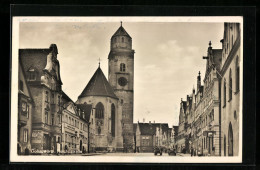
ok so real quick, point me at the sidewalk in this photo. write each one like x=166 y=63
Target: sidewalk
x=184 y=154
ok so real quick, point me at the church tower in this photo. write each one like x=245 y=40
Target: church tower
x=121 y=78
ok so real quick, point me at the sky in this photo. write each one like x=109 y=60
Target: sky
x=168 y=57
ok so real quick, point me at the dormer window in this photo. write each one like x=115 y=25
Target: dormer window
x=32 y=74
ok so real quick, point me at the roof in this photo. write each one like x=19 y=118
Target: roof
x=86 y=108
x=150 y=128
x=98 y=86
x=66 y=97
x=217 y=56
x=121 y=32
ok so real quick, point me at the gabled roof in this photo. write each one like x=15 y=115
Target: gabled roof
x=150 y=128
x=217 y=57
x=121 y=32
x=87 y=110
x=98 y=86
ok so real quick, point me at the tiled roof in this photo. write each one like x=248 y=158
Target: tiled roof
x=150 y=128
x=98 y=86
x=87 y=110
x=121 y=32
x=66 y=97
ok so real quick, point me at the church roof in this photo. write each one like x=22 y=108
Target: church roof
x=121 y=32
x=98 y=86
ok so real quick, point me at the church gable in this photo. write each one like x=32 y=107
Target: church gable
x=98 y=86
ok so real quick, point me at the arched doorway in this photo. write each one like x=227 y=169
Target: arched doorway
x=230 y=140
x=113 y=121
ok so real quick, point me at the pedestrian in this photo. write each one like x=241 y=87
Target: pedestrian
x=191 y=151
x=26 y=151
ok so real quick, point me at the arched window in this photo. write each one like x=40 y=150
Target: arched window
x=99 y=111
x=123 y=39
x=113 y=120
x=115 y=39
x=225 y=88
x=237 y=74
x=230 y=140
x=235 y=115
x=122 y=67
x=230 y=85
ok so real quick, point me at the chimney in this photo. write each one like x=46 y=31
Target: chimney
x=150 y=123
x=154 y=121
x=143 y=120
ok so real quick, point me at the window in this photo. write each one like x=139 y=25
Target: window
x=46 y=96
x=225 y=88
x=46 y=117
x=113 y=121
x=66 y=137
x=21 y=85
x=25 y=135
x=27 y=111
x=230 y=85
x=59 y=103
x=59 y=118
x=235 y=115
x=237 y=74
x=232 y=40
x=99 y=111
x=115 y=39
x=69 y=120
x=32 y=74
x=123 y=39
x=122 y=67
x=99 y=130
x=75 y=123
x=52 y=119
x=92 y=121
x=52 y=98
x=72 y=121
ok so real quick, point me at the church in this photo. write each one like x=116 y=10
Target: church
x=111 y=119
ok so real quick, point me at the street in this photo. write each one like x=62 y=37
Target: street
x=132 y=154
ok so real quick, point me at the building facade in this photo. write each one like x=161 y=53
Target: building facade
x=230 y=89
x=75 y=119
x=210 y=117
x=42 y=72
x=121 y=79
x=25 y=109
x=105 y=118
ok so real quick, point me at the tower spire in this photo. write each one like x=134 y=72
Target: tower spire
x=99 y=62
x=121 y=23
